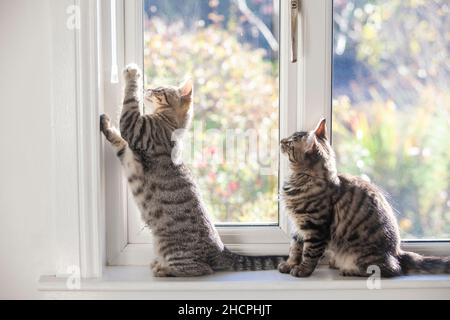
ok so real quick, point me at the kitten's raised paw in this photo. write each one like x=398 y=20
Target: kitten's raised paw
x=285 y=267
x=132 y=72
x=300 y=272
x=105 y=122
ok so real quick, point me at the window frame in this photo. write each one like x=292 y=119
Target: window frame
x=305 y=97
x=134 y=245
x=86 y=206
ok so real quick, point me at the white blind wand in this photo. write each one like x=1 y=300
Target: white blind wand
x=114 y=66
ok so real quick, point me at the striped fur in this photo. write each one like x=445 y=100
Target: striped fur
x=345 y=215
x=186 y=241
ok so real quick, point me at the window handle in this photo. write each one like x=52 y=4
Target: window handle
x=294 y=29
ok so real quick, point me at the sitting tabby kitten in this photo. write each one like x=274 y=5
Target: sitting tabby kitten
x=346 y=215
x=186 y=241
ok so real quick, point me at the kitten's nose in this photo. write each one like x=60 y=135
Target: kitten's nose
x=284 y=142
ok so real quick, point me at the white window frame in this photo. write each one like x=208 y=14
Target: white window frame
x=302 y=104
x=136 y=245
x=305 y=98
x=88 y=205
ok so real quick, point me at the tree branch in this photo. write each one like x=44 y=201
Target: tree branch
x=258 y=23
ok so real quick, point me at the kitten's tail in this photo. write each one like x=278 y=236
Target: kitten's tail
x=415 y=263
x=239 y=262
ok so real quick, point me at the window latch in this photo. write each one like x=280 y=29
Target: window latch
x=294 y=29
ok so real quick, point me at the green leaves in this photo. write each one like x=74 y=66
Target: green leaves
x=406 y=153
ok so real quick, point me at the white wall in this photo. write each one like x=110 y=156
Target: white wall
x=26 y=229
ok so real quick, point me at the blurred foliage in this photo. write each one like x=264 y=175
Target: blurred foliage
x=392 y=115
x=232 y=81
x=224 y=13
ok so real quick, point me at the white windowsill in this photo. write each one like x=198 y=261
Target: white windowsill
x=137 y=283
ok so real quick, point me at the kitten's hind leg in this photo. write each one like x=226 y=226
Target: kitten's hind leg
x=385 y=267
x=332 y=262
x=183 y=269
x=158 y=269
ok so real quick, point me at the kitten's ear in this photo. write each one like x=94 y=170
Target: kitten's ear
x=321 y=129
x=187 y=89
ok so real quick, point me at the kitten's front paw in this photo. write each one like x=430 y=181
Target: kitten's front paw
x=300 y=272
x=105 y=122
x=285 y=267
x=132 y=72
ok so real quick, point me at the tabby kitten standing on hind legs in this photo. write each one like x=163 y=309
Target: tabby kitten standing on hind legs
x=346 y=215
x=186 y=241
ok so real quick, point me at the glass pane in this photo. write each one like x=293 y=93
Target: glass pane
x=391 y=105
x=230 y=49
